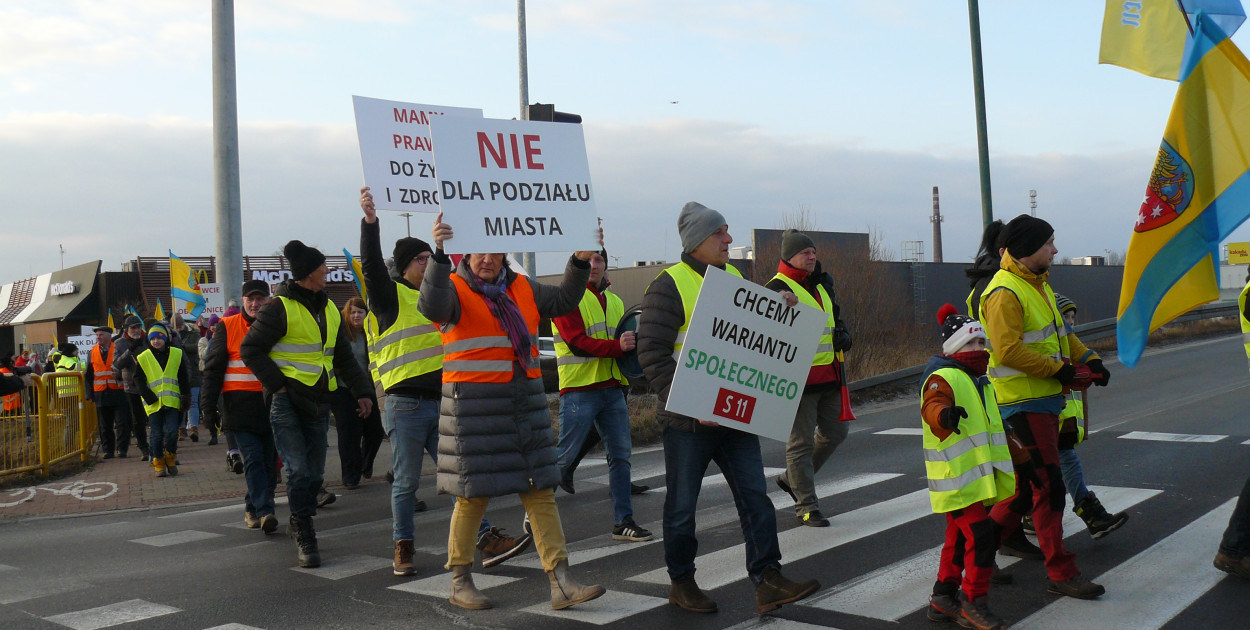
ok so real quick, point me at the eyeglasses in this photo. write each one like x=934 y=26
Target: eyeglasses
x=423 y=259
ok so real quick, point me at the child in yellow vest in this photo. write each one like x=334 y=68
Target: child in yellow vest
x=969 y=469
x=164 y=382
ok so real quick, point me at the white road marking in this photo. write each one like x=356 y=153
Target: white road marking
x=440 y=585
x=339 y=567
x=176 y=538
x=901 y=431
x=1170 y=437
x=612 y=606
x=112 y=615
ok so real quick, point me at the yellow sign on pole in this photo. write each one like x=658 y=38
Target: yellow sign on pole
x=1238 y=253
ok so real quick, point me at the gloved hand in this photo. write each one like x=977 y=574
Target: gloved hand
x=949 y=418
x=1083 y=377
x=1066 y=374
x=1100 y=374
x=841 y=338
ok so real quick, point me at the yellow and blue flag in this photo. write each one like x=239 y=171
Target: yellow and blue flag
x=110 y=323
x=358 y=273
x=183 y=286
x=130 y=310
x=1150 y=36
x=1198 y=193
x=159 y=315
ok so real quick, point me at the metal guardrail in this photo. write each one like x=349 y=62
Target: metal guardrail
x=1091 y=331
x=52 y=424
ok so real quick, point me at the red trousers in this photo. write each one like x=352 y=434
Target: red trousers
x=971 y=542
x=1041 y=491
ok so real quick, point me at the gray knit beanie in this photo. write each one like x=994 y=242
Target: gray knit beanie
x=697 y=222
x=793 y=242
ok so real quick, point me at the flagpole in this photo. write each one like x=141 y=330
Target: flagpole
x=978 y=85
x=1181 y=5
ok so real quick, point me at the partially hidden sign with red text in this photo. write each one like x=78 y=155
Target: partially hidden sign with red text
x=514 y=185
x=397 y=153
x=745 y=357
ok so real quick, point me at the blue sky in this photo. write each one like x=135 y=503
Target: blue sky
x=853 y=110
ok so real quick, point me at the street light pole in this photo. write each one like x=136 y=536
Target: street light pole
x=226 y=154
x=406 y=216
x=978 y=86
x=527 y=258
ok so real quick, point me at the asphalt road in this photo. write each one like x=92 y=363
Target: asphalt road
x=199 y=568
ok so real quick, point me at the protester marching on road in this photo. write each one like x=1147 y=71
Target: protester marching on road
x=817 y=430
x=407 y=350
x=164 y=382
x=242 y=413
x=104 y=389
x=299 y=351
x=359 y=438
x=206 y=323
x=495 y=434
x=690 y=443
x=592 y=392
x=968 y=465
x=1031 y=368
x=1233 y=555
x=130 y=343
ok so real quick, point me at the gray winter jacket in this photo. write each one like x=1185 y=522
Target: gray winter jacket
x=124 y=359
x=495 y=439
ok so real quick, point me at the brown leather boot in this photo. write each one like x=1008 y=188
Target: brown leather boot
x=565 y=591
x=775 y=589
x=688 y=596
x=463 y=593
x=403 y=558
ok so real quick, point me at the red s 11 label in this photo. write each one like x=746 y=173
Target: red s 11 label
x=735 y=406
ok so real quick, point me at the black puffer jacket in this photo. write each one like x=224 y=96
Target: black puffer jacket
x=270 y=327
x=662 y=316
x=124 y=359
x=495 y=438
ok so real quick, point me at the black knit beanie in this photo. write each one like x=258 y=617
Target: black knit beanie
x=304 y=259
x=408 y=248
x=1024 y=235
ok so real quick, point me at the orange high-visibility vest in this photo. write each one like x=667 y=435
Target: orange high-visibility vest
x=102 y=369
x=238 y=377
x=12 y=402
x=477 y=348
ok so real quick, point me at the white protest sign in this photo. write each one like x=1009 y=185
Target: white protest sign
x=214 y=299
x=745 y=357
x=396 y=151
x=514 y=186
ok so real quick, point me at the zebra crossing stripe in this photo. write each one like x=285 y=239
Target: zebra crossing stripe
x=1152 y=587
x=16 y=587
x=233 y=626
x=112 y=615
x=776 y=623
x=895 y=591
x=176 y=538
x=725 y=566
x=440 y=585
x=901 y=431
x=339 y=567
x=610 y=607
x=1170 y=437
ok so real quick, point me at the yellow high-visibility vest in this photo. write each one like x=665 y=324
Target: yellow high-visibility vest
x=578 y=371
x=824 y=352
x=410 y=347
x=300 y=353
x=688 y=283
x=1042 y=325
x=974 y=464
x=163 y=383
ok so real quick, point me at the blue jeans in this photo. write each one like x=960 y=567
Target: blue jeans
x=260 y=470
x=301 y=441
x=412 y=425
x=163 y=431
x=686 y=456
x=1073 y=476
x=605 y=410
x=1236 y=541
x=193 y=412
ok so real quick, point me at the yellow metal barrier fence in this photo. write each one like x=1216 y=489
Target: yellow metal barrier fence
x=53 y=422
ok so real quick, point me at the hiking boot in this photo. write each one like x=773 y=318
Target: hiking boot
x=814 y=519
x=565 y=591
x=975 y=613
x=785 y=485
x=301 y=531
x=182 y=434
x=171 y=463
x=638 y=488
x=194 y=434
x=419 y=506
x=159 y=465
x=325 y=497
x=146 y=454
x=108 y=456
x=212 y=439
x=999 y=576
x=463 y=592
x=944 y=602
x=1233 y=566
x=566 y=480
x=251 y=520
x=629 y=530
x=1026 y=525
x=268 y=523
x=1078 y=586
x=403 y=559
x=234 y=462
x=775 y=589
x=497 y=546
x=1096 y=517
x=1019 y=546
x=688 y=596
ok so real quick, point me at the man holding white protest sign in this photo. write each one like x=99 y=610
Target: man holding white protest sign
x=690 y=443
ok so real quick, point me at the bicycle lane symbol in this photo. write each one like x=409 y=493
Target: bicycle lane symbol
x=81 y=490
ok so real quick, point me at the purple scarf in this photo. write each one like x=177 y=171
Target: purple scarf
x=508 y=314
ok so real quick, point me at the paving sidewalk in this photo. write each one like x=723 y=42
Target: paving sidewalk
x=121 y=484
